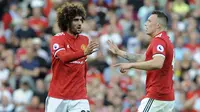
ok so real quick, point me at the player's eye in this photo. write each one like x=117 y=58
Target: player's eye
x=75 y=19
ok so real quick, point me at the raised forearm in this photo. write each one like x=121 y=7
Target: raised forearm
x=131 y=57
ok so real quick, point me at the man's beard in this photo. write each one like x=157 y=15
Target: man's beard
x=74 y=31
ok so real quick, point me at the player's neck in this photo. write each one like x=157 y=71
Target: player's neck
x=157 y=32
x=74 y=35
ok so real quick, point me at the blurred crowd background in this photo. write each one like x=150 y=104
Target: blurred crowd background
x=25 y=59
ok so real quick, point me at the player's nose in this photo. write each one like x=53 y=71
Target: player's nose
x=80 y=22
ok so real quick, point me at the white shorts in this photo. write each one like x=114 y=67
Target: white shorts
x=152 y=105
x=60 y=105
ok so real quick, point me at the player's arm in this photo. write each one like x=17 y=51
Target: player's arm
x=130 y=57
x=68 y=57
x=159 y=51
x=59 y=51
x=157 y=61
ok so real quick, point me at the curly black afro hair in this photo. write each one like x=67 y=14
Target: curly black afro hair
x=67 y=12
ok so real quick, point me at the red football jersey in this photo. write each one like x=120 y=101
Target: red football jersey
x=159 y=83
x=69 y=67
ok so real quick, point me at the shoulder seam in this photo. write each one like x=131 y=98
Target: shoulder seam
x=162 y=40
x=59 y=34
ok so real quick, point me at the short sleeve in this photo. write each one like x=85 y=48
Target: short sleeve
x=159 y=47
x=56 y=45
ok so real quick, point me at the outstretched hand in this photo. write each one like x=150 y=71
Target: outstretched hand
x=112 y=47
x=93 y=45
x=124 y=67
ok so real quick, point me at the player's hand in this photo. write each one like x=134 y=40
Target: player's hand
x=92 y=46
x=124 y=67
x=123 y=71
x=112 y=47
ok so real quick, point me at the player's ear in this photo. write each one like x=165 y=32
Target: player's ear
x=158 y=25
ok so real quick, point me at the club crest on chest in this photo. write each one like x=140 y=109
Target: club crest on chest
x=83 y=47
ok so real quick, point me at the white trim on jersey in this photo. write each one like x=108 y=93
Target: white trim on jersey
x=58 y=51
x=60 y=34
x=158 y=55
x=159 y=35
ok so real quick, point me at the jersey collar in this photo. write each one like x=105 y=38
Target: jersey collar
x=71 y=36
x=162 y=32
